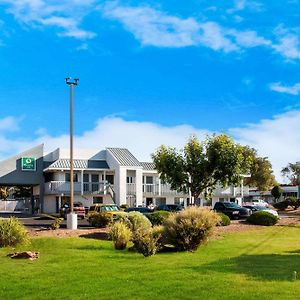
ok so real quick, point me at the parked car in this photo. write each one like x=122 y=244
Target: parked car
x=232 y=210
x=143 y=210
x=170 y=207
x=259 y=202
x=78 y=209
x=107 y=208
x=255 y=208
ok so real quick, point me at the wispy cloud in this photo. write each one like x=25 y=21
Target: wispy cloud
x=155 y=28
x=240 y=5
x=292 y=90
x=66 y=15
x=9 y=123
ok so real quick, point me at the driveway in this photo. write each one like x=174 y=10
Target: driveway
x=41 y=221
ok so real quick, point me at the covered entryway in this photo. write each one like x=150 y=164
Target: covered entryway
x=22 y=182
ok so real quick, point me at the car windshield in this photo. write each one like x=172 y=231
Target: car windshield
x=110 y=208
x=231 y=205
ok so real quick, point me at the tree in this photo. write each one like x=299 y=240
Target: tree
x=4 y=192
x=261 y=171
x=22 y=191
x=276 y=192
x=292 y=172
x=201 y=166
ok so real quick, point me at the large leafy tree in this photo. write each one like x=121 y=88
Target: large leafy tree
x=292 y=172
x=201 y=166
x=261 y=171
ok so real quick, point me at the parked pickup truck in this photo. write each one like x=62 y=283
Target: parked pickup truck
x=232 y=210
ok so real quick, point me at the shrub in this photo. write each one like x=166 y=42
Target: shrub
x=147 y=242
x=282 y=205
x=124 y=206
x=294 y=202
x=100 y=219
x=262 y=218
x=135 y=221
x=120 y=235
x=224 y=220
x=56 y=224
x=12 y=233
x=191 y=227
x=158 y=217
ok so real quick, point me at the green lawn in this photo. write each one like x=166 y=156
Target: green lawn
x=247 y=265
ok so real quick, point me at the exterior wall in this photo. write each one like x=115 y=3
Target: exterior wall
x=50 y=204
x=87 y=201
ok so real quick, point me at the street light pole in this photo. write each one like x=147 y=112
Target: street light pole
x=71 y=218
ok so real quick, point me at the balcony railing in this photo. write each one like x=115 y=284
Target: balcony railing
x=63 y=187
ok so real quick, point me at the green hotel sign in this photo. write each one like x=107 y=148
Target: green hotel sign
x=28 y=164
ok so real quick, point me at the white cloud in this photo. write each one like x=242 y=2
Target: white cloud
x=240 y=5
x=155 y=28
x=277 y=138
x=292 y=90
x=9 y=123
x=66 y=15
x=288 y=44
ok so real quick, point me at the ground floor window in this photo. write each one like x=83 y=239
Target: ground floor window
x=160 y=201
x=97 y=199
x=131 y=200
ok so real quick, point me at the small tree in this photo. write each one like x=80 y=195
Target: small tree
x=292 y=173
x=276 y=192
x=4 y=192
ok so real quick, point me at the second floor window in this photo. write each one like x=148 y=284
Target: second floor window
x=130 y=179
x=68 y=179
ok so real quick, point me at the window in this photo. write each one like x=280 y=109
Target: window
x=68 y=179
x=110 y=179
x=97 y=200
x=130 y=179
x=149 y=180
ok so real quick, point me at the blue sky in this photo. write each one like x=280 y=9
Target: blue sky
x=180 y=67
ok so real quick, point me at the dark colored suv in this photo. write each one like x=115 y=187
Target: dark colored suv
x=170 y=207
x=142 y=210
x=232 y=210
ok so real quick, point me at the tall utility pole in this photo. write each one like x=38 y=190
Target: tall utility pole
x=71 y=218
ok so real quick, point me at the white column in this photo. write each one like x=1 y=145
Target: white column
x=104 y=179
x=159 y=187
x=139 y=187
x=81 y=186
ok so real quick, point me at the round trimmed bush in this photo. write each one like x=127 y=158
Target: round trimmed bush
x=224 y=220
x=158 y=217
x=135 y=221
x=282 y=205
x=12 y=233
x=262 y=218
x=100 y=219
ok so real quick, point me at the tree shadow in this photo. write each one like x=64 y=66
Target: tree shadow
x=269 y=267
x=96 y=236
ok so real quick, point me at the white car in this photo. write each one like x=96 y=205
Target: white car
x=259 y=202
x=255 y=208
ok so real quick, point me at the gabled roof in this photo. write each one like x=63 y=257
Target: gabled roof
x=148 y=166
x=124 y=157
x=79 y=164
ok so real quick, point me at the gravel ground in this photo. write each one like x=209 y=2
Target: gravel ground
x=101 y=233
